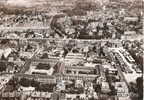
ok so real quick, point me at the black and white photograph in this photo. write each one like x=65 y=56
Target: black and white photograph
x=71 y=49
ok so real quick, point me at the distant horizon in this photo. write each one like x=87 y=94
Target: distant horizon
x=23 y=3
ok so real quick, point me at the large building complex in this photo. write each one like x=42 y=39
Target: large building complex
x=71 y=50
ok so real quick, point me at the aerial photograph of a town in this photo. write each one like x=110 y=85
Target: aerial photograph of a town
x=71 y=49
